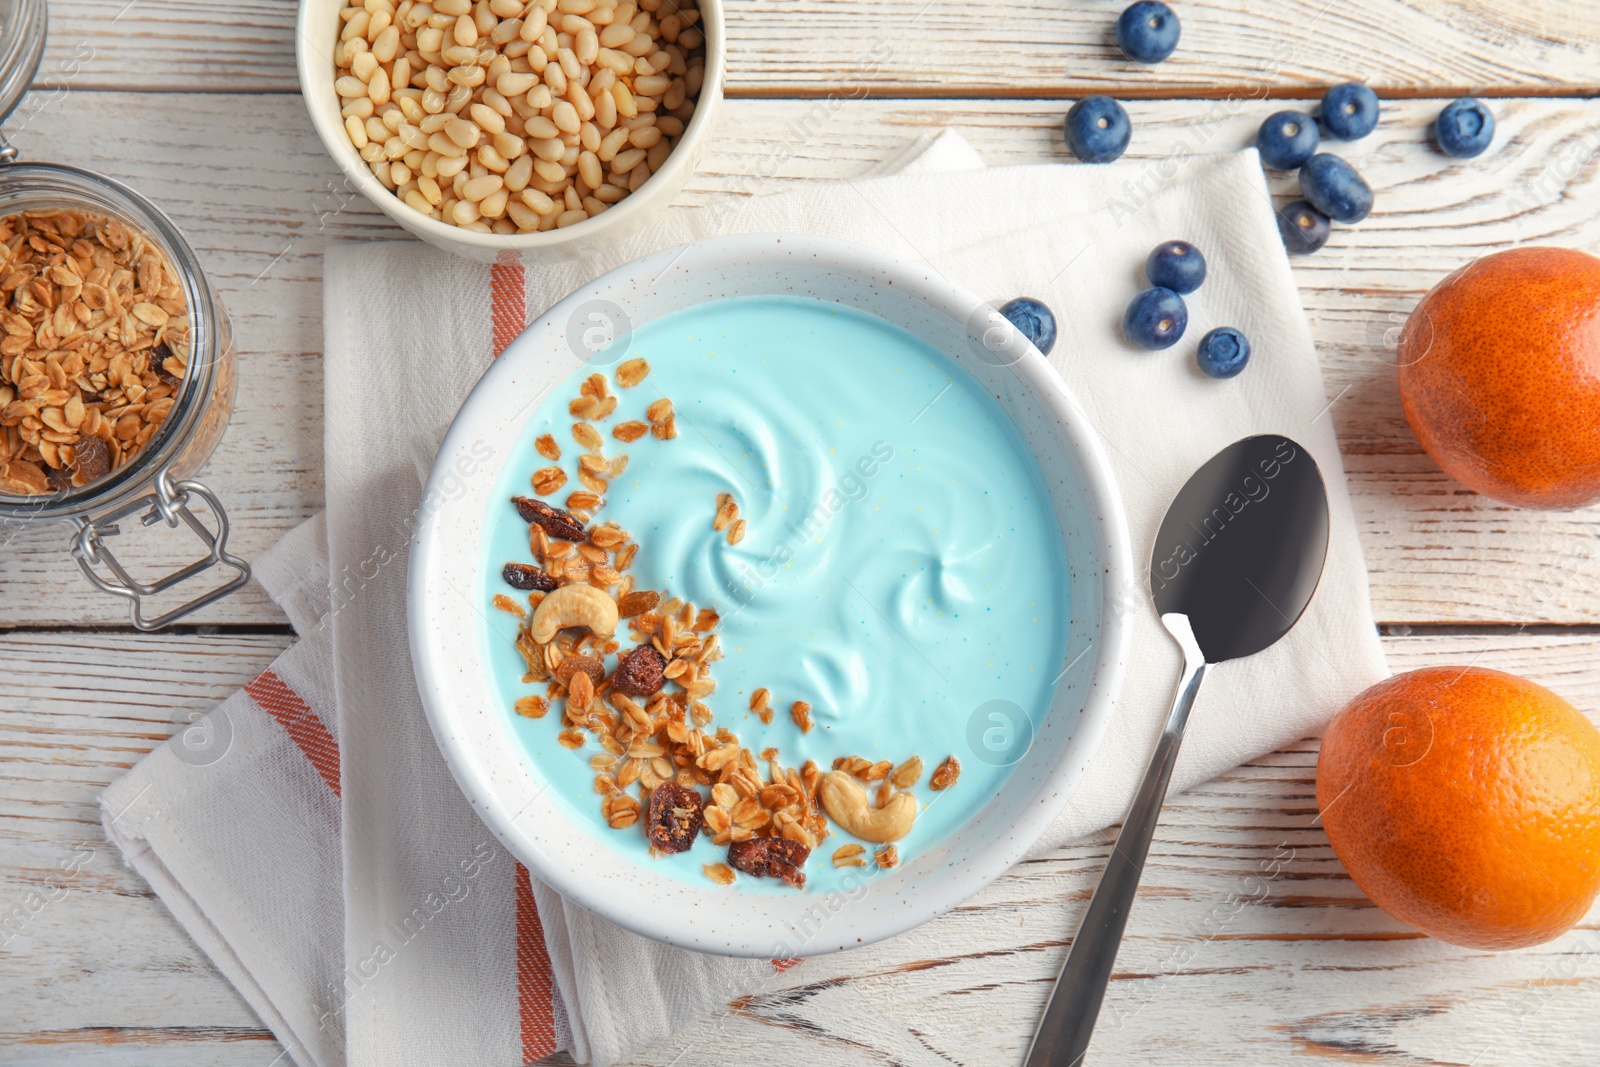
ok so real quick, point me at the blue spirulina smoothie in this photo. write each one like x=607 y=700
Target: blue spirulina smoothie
x=902 y=566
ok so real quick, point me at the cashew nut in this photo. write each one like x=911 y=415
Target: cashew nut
x=574 y=605
x=845 y=801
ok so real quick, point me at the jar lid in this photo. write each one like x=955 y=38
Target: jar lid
x=22 y=33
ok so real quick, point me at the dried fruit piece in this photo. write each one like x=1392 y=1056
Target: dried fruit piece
x=637 y=603
x=770 y=857
x=631 y=372
x=158 y=363
x=526 y=576
x=945 y=775
x=575 y=663
x=557 y=523
x=547 y=447
x=676 y=815
x=91 y=459
x=641 y=672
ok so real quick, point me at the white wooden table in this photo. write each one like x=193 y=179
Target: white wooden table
x=194 y=103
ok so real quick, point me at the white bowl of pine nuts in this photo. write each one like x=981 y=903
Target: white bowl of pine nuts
x=496 y=127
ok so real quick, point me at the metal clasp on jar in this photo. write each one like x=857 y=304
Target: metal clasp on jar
x=168 y=504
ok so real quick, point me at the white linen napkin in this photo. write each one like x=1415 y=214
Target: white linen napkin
x=307 y=832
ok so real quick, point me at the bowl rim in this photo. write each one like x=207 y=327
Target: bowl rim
x=315 y=68
x=433 y=656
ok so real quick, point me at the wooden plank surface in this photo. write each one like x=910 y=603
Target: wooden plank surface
x=947 y=48
x=1249 y=945
x=261 y=216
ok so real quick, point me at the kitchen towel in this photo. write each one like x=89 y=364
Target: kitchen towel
x=307 y=832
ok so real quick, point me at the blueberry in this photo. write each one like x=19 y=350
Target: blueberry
x=1156 y=319
x=1223 y=352
x=1304 y=228
x=1176 y=265
x=1288 y=139
x=1349 y=111
x=1148 y=31
x=1335 y=189
x=1034 y=320
x=1464 y=128
x=1097 y=129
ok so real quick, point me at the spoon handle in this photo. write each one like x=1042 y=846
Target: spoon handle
x=1063 y=1034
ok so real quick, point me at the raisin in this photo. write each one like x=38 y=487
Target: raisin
x=640 y=672
x=676 y=815
x=562 y=525
x=158 y=363
x=91 y=458
x=59 y=480
x=571 y=665
x=637 y=603
x=527 y=576
x=770 y=857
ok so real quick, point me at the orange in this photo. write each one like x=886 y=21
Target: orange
x=1466 y=803
x=1500 y=376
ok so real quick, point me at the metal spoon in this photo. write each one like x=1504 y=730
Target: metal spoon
x=1238 y=557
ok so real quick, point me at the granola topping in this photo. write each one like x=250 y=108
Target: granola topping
x=94 y=343
x=647 y=724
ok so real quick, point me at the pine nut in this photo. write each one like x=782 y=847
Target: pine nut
x=652 y=85
x=518 y=174
x=565 y=116
x=541 y=128
x=571 y=218
x=646 y=137
x=464 y=212
x=487 y=118
x=589 y=170
x=538 y=202
x=625 y=161
x=493 y=206
x=510 y=146
x=611 y=144
x=463 y=132
x=616 y=35
x=548 y=170
x=491 y=160
x=476 y=189
x=549 y=148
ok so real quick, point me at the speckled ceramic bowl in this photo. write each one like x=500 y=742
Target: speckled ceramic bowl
x=474 y=732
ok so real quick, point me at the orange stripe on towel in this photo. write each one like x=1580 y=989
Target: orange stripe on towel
x=535 y=1002
x=508 y=302
x=299 y=722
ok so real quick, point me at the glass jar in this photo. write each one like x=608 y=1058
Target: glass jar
x=155 y=484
